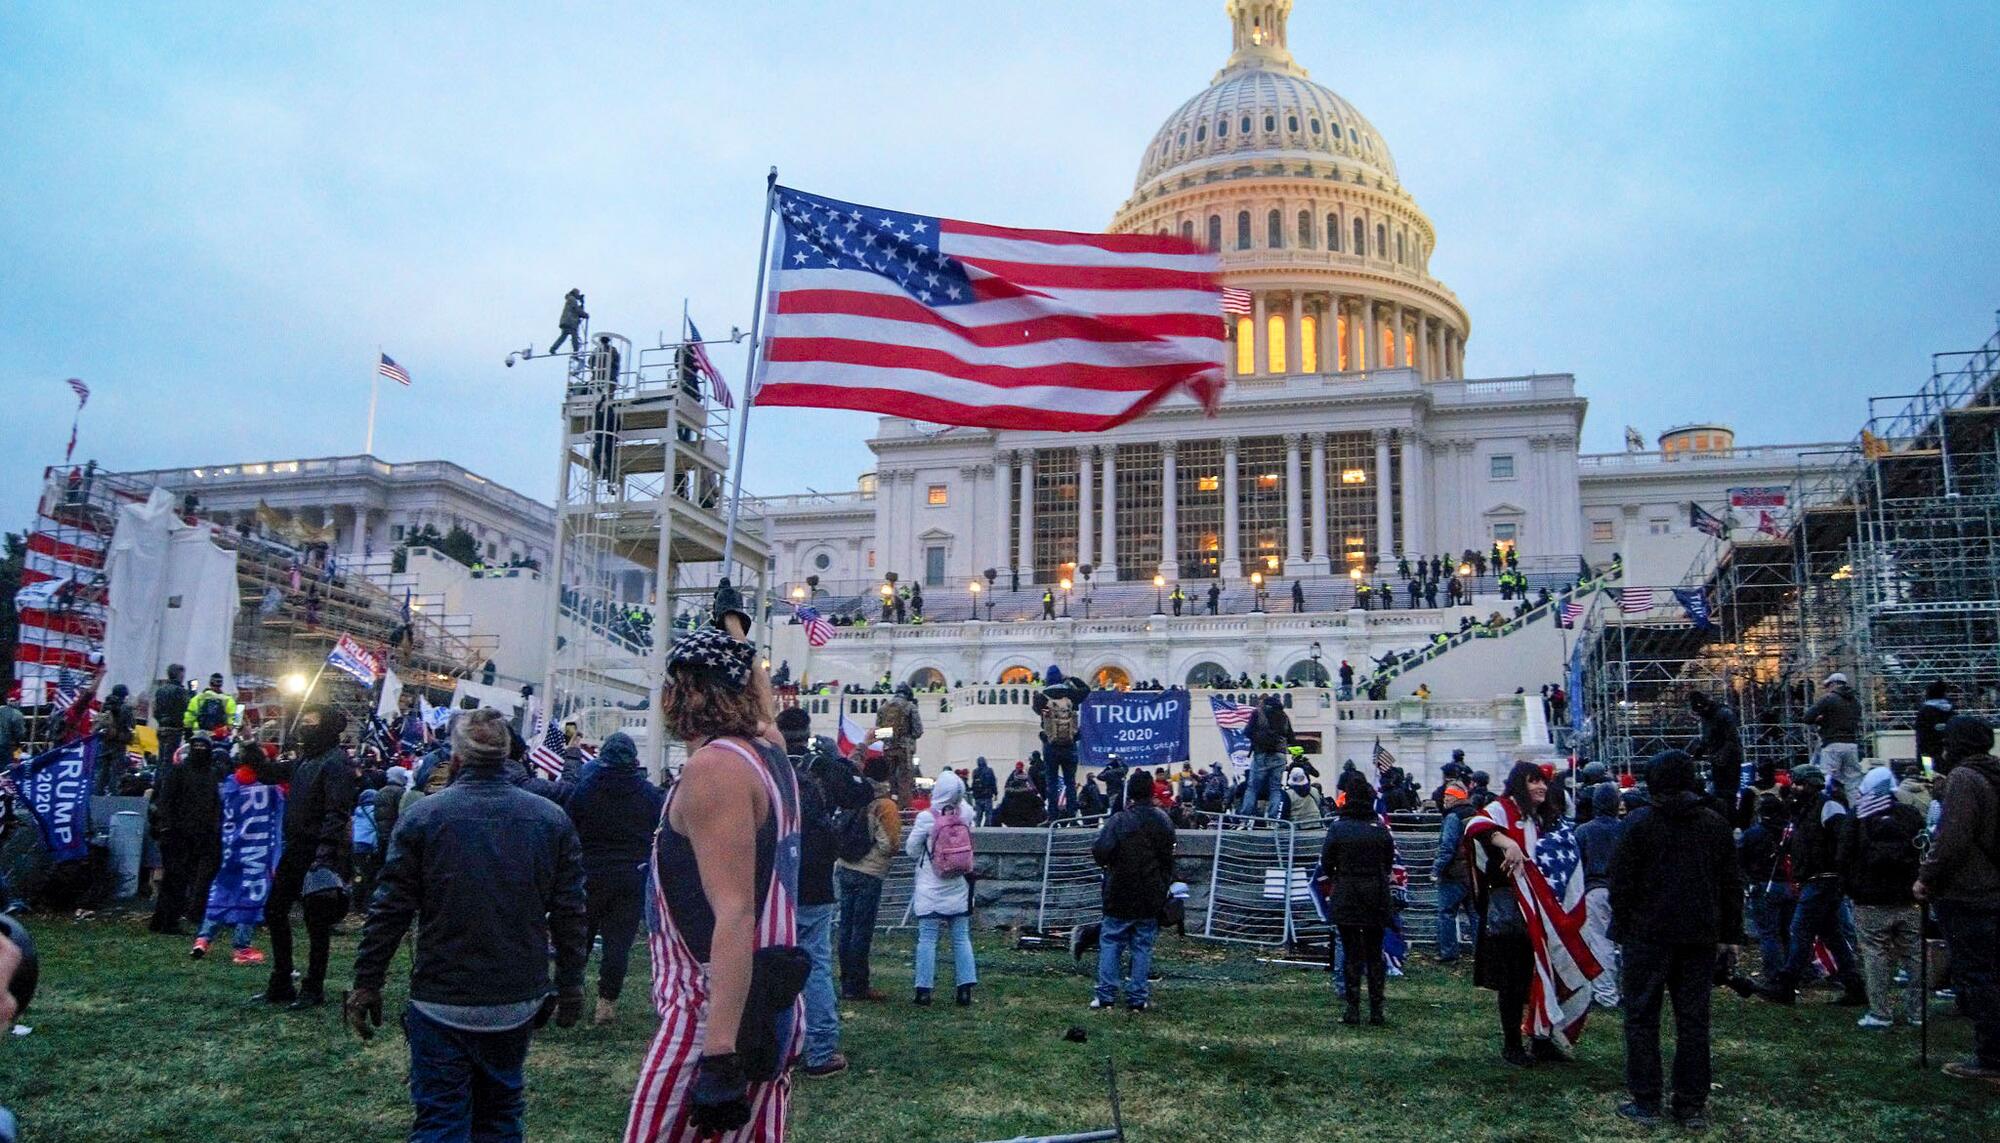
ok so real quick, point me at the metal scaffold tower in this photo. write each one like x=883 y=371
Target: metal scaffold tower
x=1890 y=573
x=641 y=517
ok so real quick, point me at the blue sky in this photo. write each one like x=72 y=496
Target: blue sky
x=1760 y=214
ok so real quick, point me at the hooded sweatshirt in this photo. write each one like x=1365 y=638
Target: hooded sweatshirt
x=1674 y=876
x=1963 y=862
x=615 y=810
x=1597 y=839
x=934 y=895
x=1881 y=858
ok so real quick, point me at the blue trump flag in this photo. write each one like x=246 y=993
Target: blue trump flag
x=253 y=838
x=1695 y=603
x=1143 y=728
x=56 y=786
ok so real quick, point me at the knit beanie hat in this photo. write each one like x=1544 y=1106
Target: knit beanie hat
x=481 y=738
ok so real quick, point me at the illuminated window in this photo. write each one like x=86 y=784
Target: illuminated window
x=1112 y=679
x=1246 y=347
x=1500 y=466
x=937 y=495
x=1267 y=480
x=1274 y=329
x=1353 y=476
x=1198 y=521
x=1409 y=350
x=1346 y=346
x=1208 y=483
x=1385 y=353
x=1017 y=675
x=1503 y=535
x=1601 y=530
x=1309 y=344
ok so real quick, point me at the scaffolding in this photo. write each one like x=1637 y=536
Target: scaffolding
x=1890 y=574
x=640 y=529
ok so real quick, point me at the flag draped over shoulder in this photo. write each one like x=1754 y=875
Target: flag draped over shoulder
x=253 y=838
x=961 y=323
x=1550 y=889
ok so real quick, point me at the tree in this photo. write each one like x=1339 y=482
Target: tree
x=459 y=545
x=11 y=563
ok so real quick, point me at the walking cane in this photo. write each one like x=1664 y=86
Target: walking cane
x=1923 y=991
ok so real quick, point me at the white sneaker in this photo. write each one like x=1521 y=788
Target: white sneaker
x=1096 y=1003
x=1873 y=1021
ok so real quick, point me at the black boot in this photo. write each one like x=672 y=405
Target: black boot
x=1353 y=1013
x=923 y=998
x=1375 y=1016
x=965 y=996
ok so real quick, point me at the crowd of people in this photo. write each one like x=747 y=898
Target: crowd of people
x=758 y=877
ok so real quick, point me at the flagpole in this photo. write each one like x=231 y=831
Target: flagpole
x=304 y=697
x=749 y=377
x=374 y=391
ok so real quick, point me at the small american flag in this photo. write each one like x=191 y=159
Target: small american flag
x=818 y=631
x=708 y=372
x=81 y=390
x=1635 y=600
x=546 y=756
x=1383 y=759
x=1572 y=614
x=68 y=689
x=1235 y=301
x=387 y=367
x=1231 y=715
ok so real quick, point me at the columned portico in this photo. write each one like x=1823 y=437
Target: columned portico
x=1412 y=446
x=1319 y=554
x=1295 y=554
x=1385 y=512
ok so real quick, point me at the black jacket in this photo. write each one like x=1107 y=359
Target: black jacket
x=1356 y=861
x=824 y=782
x=493 y=876
x=1836 y=715
x=1270 y=730
x=1721 y=744
x=1135 y=846
x=1931 y=717
x=1674 y=878
x=615 y=810
x=170 y=703
x=1879 y=861
x=1815 y=846
x=1020 y=807
x=319 y=809
x=187 y=807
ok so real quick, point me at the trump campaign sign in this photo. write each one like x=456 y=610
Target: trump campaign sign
x=1143 y=728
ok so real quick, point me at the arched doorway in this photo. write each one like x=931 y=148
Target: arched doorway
x=1111 y=677
x=1208 y=674
x=926 y=678
x=1307 y=673
x=1017 y=674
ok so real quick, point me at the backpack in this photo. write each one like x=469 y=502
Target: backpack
x=1214 y=790
x=212 y=713
x=1059 y=721
x=1886 y=854
x=854 y=836
x=951 y=844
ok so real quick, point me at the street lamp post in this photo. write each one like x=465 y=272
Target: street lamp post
x=1319 y=672
x=1159 y=601
x=1065 y=591
x=1256 y=591
x=975 y=601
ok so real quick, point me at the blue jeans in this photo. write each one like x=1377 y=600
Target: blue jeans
x=466 y=1086
x=1267 y=779
x=1117 y=936
x=1454 y=900
x=963 y=970
x=1771 y=912
x=1818 y=915
x=243 y=932
x=816 y=924
x=860 y=898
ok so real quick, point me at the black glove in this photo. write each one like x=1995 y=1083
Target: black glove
x=721 y=1095
x=729 y=601
x=362 y=1009
x=569 y=1007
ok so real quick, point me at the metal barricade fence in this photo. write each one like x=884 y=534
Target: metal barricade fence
x=897 y=890
x=1254 y=884
x=1072 y=884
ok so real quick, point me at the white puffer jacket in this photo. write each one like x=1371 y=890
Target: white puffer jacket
x=937 y=896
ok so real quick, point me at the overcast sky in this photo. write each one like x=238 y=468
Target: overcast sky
x=1760 y=214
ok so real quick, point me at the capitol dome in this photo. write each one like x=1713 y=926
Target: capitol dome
x=1299 y=194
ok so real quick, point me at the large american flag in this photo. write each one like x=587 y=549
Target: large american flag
x=1235 y=301
x=961 y=323
x=1550 y=889
x=387 y=367
x=1635 y=600
x=703 y=366
x=818 y=631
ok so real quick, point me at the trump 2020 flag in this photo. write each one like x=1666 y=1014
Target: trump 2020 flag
x=1549 y=888
x=1696 y=605
x=352 y=659
x=253 y=838
x=960 y=323
x=56 y=786
x=1233 y=720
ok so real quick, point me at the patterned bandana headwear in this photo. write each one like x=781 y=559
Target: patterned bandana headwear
x=715 y=654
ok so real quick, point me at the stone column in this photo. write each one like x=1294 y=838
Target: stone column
x=1424 y=348
x=1329 y=334
x=1024 y=555
x=1456 y=351
x=1385 y=513
x=1086 y=460
x=1295 y=544
x=1320 y=553
x=1260 y=334
x=1438 y=365
x=1170 y=565
x=1232 y=558
x=1414 y=540
x=1107 y=547
x=1371 y=349
x=1399 y=346
x=1295 y=361
x=1003 y=481
x=976 y=527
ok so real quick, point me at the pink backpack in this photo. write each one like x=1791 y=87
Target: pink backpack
x=951 y=844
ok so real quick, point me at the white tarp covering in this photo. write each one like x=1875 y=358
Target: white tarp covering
x=173 y=599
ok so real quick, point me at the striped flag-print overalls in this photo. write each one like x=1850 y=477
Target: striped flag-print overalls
x=661 y=1104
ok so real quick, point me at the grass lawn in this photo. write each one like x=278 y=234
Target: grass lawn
x=134 y=1041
